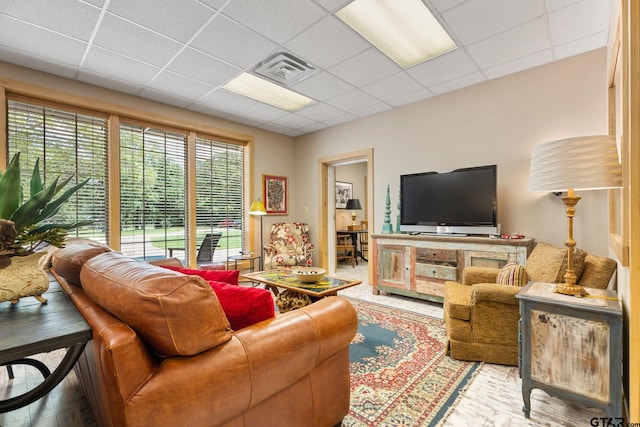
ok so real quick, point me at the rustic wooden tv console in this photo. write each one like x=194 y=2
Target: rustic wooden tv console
x=418 y=265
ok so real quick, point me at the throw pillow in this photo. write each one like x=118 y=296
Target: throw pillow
x=225 y=276
x=243 y=306
x=512 y=274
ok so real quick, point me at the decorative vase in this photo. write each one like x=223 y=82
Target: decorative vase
x=22 y=276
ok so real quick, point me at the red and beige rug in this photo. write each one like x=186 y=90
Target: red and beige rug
x=400 y=374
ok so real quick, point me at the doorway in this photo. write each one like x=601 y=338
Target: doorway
x=327 y=193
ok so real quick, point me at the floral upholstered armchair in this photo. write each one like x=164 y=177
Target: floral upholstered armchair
x=288 y=245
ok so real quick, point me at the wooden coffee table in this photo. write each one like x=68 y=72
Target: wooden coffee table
x=282 y=278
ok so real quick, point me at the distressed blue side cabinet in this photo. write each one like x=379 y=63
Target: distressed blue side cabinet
x=571 y=347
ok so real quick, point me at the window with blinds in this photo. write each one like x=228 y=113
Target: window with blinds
x=220 y=169
x=67 y=142
x=152 y=192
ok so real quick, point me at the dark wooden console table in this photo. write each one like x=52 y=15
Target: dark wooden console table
x=29 y=328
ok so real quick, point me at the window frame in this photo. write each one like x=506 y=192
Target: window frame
x=145 y=111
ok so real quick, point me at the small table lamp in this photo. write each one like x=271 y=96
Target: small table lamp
x=257 y=208
x=354 y=205
x=581 y=163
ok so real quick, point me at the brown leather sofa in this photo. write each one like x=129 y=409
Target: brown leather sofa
x=163 y=353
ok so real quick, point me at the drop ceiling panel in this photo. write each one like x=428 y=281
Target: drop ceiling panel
x=510 y=45
x=327 y=43
x=498 y=16
x=277 y=20
x=132 y=40
x=233 y=43
x=181 y=52
x=451 y=65
x=40 y=43
x=177 y=19
x=366 y=67
x=207 y=69
x=106 y=63
x=68 y=17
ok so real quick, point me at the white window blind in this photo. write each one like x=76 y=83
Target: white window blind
x=67 y=142
x=152 y=192
x=220 y=189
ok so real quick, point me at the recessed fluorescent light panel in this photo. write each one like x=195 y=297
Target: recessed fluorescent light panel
x=404 y=30
x=264 y=91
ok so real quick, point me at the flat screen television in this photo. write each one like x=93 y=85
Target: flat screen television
x=462 y=201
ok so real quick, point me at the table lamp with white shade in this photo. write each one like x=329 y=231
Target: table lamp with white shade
x=566 y=165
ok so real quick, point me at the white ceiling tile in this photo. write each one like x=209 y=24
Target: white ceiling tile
x=294 y=121
x=444 y=5
x=233 y=43
x=393 y=86
x=108 y=82
x=582 y=45
x=322 y=86
x=497 y=16
x=459 y=83
x=320 y=112
x=106 y=63
x=68 y=17
x=164 y=97
x=372 y=109
x=365 y=68
x=276 y=128
x=505 y=47
x=224 y=100
x=333 y=5
x=134 y=41
x=278 y=20
x=205 y=109
x=578 y=20
x=216 y=4
x=264 y=112
x=40 y=64
x=552 y=5
x=168 y=82
x=519 y=64
x=311 y=128
x=98 y=3
x=245 y=120
x=412 y=97
x=353 y=101
x=445 y=67
x=178 y=19
x=41 y=43
x=346 y=117
x=196 y=65
x=327 y=43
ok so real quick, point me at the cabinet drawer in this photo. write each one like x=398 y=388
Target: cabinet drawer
x=430 y=288
x=436 y=271
x=437 y=256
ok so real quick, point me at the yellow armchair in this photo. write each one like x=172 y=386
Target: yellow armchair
x=482 y=316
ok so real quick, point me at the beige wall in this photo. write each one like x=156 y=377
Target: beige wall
x=497 y=122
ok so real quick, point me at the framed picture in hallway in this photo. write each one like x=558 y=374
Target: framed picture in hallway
x=274 y=192
x=344 y=192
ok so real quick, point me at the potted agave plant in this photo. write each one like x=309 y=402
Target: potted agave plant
x=24 y=232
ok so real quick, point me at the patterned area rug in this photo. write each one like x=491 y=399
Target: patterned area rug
x=400 y=374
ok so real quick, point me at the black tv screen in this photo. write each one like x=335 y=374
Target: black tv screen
x=463 y=200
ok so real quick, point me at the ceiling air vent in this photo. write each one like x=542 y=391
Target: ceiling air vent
x=285 y=68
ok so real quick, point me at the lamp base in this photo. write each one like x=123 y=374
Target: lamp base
x=574 y=290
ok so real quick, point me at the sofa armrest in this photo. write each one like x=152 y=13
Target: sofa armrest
x=492 y=292
x=257 y=363
x=475 y=274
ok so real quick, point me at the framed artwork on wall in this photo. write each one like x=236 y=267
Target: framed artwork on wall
x=274 y=193
x=344 y=192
